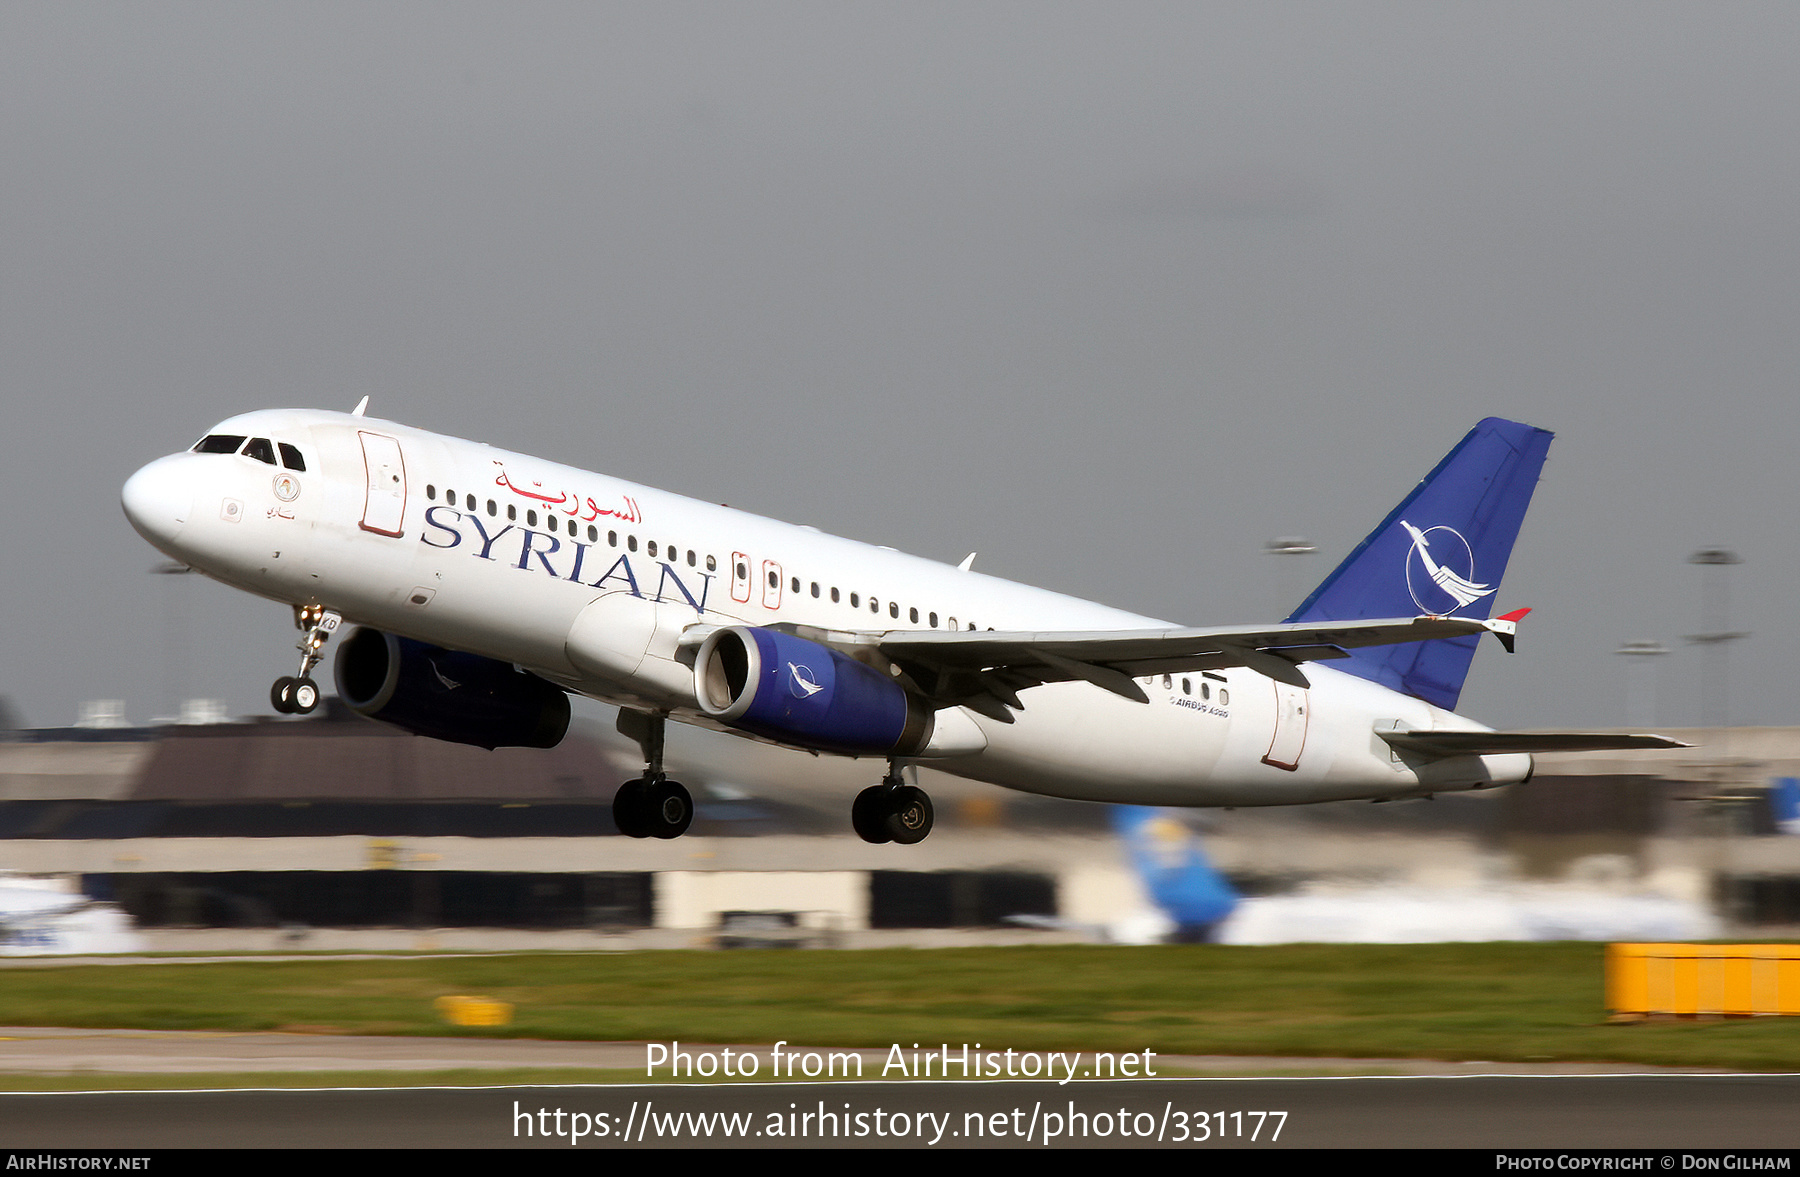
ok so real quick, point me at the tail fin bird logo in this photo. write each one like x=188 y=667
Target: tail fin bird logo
x=1433 y=567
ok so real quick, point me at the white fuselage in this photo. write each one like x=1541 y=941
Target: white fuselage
x=590 y=581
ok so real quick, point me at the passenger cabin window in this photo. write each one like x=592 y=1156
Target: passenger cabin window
x=290 y=457
x=219 y=443
x=712 y=565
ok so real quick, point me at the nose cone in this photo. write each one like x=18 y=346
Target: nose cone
x=158 y=500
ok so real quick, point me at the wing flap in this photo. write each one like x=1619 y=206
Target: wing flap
x=961 y=666
x=1438 y=745
x=980 y=649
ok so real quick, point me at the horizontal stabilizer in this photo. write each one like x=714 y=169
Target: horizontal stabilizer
x=1441 y=744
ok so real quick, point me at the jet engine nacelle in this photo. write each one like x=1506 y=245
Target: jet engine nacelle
x=806 y=695
x=463 y=698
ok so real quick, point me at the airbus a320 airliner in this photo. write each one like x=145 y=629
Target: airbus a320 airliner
x=486 y=585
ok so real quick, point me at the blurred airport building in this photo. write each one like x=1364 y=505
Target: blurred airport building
x=334 y=832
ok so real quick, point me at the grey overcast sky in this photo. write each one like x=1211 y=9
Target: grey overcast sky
x=1111 y=293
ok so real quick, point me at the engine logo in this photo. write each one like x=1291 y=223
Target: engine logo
x=803 y=685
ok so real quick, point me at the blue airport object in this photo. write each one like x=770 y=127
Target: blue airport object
x=1784 y=800
x=1175 y=871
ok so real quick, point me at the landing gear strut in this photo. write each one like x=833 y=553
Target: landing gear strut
x=650 y=806
x=299 y=695
x=892 y=811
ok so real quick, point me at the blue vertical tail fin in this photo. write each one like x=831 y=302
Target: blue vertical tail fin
x=1442 y=551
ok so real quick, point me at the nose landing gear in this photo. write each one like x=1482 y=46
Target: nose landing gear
x=892 y=811
x=299 y=694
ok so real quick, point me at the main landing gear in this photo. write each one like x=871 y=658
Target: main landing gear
x=299 y=695
x=892 y=811
x=650 y=806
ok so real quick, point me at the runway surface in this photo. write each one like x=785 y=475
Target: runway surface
x=1237 y=1103
x=1641 y=1112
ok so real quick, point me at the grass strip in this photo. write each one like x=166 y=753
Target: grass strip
x=1495 y=1002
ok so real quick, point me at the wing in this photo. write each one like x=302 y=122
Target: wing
x=985 y=671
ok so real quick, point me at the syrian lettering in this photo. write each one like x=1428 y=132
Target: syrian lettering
x=526 y=550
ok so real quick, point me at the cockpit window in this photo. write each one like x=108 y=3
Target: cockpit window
x=260 y=449
x=219 y=443
x=290 y=457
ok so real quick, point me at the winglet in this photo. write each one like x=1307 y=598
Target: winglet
x=1506 y=627
x=361 y=406
x=967 y=563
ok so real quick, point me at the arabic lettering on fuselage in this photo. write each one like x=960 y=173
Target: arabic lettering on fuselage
x=535 y=548
x=570 y=504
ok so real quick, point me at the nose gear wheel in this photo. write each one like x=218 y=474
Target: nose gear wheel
x=299 y=694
